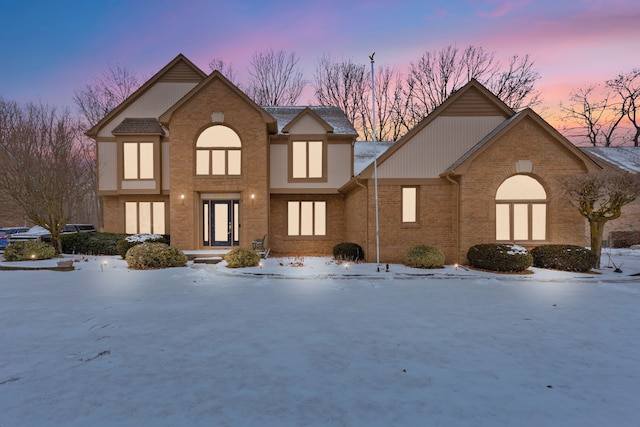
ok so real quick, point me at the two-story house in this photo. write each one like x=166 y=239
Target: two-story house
x=190 y=155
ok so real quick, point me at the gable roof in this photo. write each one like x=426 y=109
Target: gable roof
x=139 y=126
x=460 y=165
x=333 y=118
x=179 y=69
x=216 y=75
x=474 y=91
x=624 y=158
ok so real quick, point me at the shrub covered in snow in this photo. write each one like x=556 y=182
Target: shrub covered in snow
x=423 y=256
x=241 y=257
x=563 y=257
x=135 y=239
x=91 y=243
x=28 y=250
x=150 y=255
x=499 y=257
x=348 y=252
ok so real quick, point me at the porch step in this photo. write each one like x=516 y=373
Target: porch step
x=207 y=260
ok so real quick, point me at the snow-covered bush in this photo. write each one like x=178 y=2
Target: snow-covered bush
x=499 y=257
x=241 y=257
x=135 y=239
x=28 y=250
x=96 y=243
x=563 y=257
x=148 y=255
x=348 y=252
x=423 y=256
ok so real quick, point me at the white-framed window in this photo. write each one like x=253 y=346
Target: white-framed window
x=307 y=218
x=138 y=160
x=218 y=152
x=521 y=209
x=144 y=218
x=409 y=204
x=307 y=159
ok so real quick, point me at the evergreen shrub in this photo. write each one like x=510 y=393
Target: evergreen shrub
x=149 y=255
x=347 y=251
x=96 y=243
x=132 y=240
x=564 y=257
x=423 y=256
x=28 y=250
x=499 y=257
x=242 y=257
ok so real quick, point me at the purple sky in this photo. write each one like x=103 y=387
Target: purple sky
x=51 y=48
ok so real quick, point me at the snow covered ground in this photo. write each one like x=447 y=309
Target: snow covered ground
x=319 y=345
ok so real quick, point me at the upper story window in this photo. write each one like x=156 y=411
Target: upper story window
x=307 y=160
x=218 y=152
x=521 y=209
x=138 y=160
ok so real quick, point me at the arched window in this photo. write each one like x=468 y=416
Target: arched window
x=521 y=209
x=218 y=152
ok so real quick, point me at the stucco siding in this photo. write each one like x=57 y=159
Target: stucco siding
x=107 y=166
x=437 y=146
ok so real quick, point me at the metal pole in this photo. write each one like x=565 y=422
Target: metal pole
x=375 y=159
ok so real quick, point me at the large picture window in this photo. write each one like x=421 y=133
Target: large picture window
x=307 y=159
x=521 y=209
x=144 y=217
x=307 y=218
x=138 y=160
x=218 y=152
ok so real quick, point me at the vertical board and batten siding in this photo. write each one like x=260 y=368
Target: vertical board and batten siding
x=107 y=166
x=436 y=147
x=158 y=99
x=338 y=168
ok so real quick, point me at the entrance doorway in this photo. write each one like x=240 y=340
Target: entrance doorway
x=220 y=225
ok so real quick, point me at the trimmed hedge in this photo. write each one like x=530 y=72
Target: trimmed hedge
x=242 y=257
x=28 y=250
x=132 y=240
x=423 y=256
x=564 y=257
x=147 y=256
x=624 y=239
x=499 y=257
x=95 y=243
x=348 y=252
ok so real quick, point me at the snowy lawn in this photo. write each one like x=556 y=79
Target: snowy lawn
x=319 y=345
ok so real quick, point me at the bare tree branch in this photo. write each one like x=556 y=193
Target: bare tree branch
x=276 y=78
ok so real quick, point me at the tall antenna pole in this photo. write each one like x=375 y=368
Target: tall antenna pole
x=375 y=159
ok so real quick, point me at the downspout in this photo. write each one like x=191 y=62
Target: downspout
x=367 y=212
x=457 y=216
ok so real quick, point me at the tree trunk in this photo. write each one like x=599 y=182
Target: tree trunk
x=596 y=229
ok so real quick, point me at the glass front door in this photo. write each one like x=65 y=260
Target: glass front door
x=220 y=223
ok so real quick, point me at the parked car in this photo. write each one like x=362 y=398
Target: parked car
x=8 y=231
x=43 y=235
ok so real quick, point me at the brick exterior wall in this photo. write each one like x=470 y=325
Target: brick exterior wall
x=186 y=124
x=283 y=245
x=550 y=161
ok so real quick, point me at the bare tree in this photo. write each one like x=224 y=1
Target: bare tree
x=596 y=117
x=627 y=86
x=46 y=170
x=438 y=74
x=226 y=69
x=600 y=197
x=106 y=92
x=344 y=84
x=390 y=104
x=275 y=79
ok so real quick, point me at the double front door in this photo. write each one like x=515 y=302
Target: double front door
x=221 y=225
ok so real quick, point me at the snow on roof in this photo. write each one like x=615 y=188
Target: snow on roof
x=625 y=158
x=334 y=116
x=365 y=151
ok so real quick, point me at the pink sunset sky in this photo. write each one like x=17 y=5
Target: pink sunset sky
x=50 y=49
